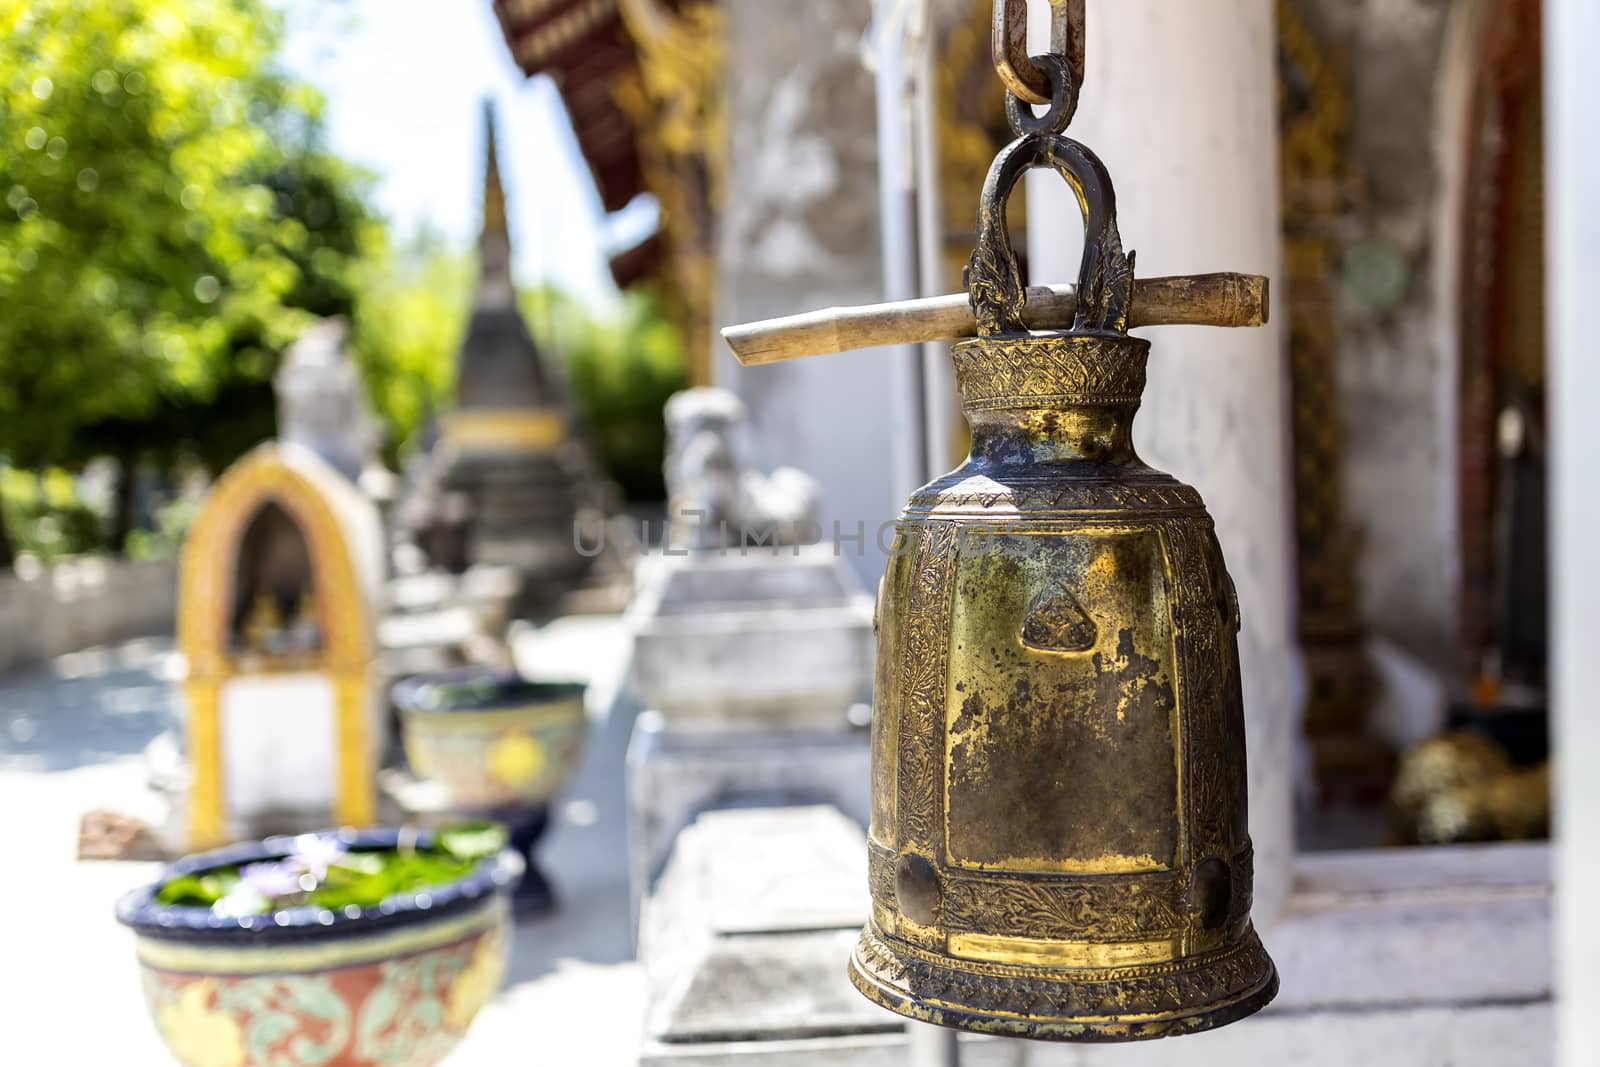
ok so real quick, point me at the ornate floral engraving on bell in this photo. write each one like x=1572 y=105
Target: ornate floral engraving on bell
x=1059 y=845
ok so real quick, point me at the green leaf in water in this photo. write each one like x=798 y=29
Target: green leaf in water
x=473 y=841
x=199 y=890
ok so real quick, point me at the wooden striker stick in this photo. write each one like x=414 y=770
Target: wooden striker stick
x=1196 y=300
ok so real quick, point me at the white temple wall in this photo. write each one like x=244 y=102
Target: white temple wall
x=81 y=603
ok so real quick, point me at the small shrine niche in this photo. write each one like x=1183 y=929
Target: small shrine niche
x=274 y=618
x=279 y=586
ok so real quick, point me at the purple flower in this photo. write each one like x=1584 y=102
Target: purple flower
x=259 y=889
x=270 y=880
x=314 y=854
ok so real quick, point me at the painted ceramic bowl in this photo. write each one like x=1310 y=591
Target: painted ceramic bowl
x=384 y=986
x=492 y=740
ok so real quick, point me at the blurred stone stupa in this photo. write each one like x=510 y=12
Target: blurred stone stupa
x=507 y=476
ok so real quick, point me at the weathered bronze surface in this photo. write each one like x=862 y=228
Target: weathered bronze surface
x=1059 y=846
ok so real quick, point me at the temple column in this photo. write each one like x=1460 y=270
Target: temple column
x=1180 y=102
x=1572 y=35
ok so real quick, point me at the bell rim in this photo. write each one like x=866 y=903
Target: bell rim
x=1122 y=1028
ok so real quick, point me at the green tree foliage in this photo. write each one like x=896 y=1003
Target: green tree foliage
x=172 y=220
x=51 y=520
x=139 y=239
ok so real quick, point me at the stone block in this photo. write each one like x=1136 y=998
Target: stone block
x=866 y=1050
x=1393 y=958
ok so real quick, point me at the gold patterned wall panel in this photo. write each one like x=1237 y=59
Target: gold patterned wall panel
x=1317 y=195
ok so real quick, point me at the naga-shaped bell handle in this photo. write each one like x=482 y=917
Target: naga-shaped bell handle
x=1105 y=274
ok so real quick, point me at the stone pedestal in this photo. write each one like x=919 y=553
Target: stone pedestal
x=1439 y=958
x=742 y=944
x=753 y=667
x=763 y=639
x=438 y=621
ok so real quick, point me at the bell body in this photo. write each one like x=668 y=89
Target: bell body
x=1059 y=845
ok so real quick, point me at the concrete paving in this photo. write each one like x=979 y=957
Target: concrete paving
x=71 y=735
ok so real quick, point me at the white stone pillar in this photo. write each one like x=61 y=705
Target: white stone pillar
x=1181 y=103
x=1572 y=138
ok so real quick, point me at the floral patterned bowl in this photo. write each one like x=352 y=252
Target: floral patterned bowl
x=384 y=986
x=493 y=740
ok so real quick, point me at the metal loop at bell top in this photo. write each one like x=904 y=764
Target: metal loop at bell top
x=1063 y=100
x=1105 y=276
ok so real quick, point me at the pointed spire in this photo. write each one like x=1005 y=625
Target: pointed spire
x=494 y=195
x=495 y=288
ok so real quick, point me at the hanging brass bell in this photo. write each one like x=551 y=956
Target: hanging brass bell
x=1059 y=845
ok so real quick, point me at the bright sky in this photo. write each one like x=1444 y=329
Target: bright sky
x=405 y=81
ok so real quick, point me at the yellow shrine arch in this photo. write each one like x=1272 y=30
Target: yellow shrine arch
x=328 y=513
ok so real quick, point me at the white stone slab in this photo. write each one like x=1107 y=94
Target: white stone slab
x=674 y=777
x=1421 y=926
x=880 y=1050
x=1475 y=1036
x=747 y=935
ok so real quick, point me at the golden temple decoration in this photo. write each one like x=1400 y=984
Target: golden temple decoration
x=971 y=120
x=494 y=192
x=538 y=430
x=1462 y=787
x=676 y=102
x=1317 y=186
x=261 y=623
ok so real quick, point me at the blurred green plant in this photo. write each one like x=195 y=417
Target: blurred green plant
x=620 y=368
x=320 y=871
x=45 y=515
x=163 y=541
